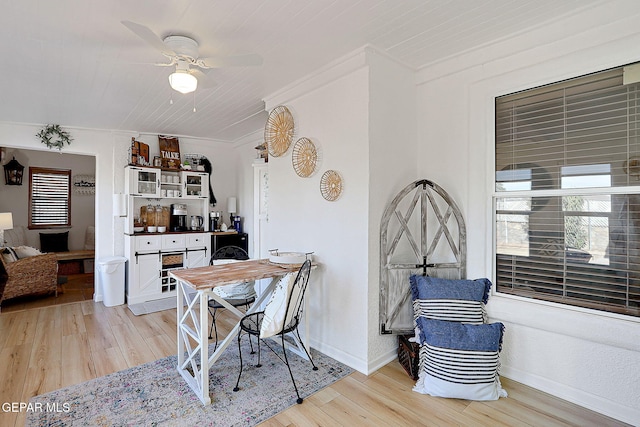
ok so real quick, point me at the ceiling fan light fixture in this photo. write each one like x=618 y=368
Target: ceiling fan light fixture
x=183 y=82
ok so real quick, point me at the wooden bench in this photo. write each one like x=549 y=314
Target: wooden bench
x=71 y=256
x=75 y=255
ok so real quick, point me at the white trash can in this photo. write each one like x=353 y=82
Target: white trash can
x=112 y=278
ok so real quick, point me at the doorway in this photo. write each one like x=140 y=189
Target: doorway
x=76 y=281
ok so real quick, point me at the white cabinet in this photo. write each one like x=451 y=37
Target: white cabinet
x=148 y=243
x=152 y=257
x=171 y=184
x=157 y=183
x=144 y=284
x=195 y=185
x=198 y=250
x=173 y=241
x=144 y=182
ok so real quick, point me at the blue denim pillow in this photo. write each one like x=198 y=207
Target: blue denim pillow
x=450 y=299
x=459 y=360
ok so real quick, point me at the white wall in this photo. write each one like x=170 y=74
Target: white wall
x=585 y=356
x=360 y=113
x=331 y=110
x=392 y=150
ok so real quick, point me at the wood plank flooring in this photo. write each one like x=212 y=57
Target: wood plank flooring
x=53 y=346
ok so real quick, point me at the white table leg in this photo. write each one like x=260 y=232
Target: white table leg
x=204 y=348
x=180 y=311
x=198 y=378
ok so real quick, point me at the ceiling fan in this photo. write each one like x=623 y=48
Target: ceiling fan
x=182 y=51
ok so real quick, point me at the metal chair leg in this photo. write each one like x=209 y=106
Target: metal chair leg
x=258 y=365
x=250 y=342
x=315 y=368
x=286 y=362
x=236 y=388
x=213 y=327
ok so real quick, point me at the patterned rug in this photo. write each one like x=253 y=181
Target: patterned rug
x=154 y=394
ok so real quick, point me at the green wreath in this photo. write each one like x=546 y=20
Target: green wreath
x=53 y=136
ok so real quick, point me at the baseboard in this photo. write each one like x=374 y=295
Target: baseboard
x=382 y=360
x=358 y=364
x=579 y=397
x=339 y=355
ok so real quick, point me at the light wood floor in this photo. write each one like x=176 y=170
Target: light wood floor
x=79 y=287
x=46 y=348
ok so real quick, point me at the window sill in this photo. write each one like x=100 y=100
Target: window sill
x=591 y=325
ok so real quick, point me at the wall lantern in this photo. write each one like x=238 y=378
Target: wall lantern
x=13 y=173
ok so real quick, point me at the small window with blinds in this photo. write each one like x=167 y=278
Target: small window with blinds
x=567 y=192
x=49 y=198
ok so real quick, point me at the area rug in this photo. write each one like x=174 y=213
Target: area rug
x=154 y=394
x=153 y=306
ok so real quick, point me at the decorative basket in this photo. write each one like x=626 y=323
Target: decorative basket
x=171 y=260
x=408 y=355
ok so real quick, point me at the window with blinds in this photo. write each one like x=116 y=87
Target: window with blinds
x=49 y=198
x=567 y=193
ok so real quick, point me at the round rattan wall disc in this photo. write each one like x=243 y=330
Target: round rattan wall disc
x=278 y=132
x=304 y=157
x=331 y=185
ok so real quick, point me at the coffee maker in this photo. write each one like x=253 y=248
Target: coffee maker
x=178 y=220
x=214 y=220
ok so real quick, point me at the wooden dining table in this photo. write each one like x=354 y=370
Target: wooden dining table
x=194 y=290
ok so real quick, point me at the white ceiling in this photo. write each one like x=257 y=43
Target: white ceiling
x=73 y=63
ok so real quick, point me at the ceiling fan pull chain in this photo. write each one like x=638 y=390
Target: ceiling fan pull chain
x=194 y=102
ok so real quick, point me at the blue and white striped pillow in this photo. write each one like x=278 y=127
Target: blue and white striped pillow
x=449 y=299
x=460 y=360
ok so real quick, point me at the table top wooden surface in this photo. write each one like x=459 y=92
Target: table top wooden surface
x=225 y=274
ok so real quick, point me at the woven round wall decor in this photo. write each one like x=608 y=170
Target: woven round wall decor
x=304 y=157
x=278 y=132
x=331 y=185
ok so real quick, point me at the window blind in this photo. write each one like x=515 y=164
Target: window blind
x=567 y=208
x=50 y=197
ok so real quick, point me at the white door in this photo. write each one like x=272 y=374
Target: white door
x=260 y=209
x=260 y=217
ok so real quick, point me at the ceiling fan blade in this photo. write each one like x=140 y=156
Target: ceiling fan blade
x=246 y=60
x=205 y=81
x=149 y=36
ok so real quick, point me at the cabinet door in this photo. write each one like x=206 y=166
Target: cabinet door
x=195 y=185
x=173 y=241
x=171 y=184
x=144 y=182
x=147 y=272
x=197 y=258
x=197 y=241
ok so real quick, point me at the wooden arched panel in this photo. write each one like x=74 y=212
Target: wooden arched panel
x=422 y=231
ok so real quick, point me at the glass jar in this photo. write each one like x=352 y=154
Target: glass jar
x=165 y=216
x=151 y=215
x=158 y=211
